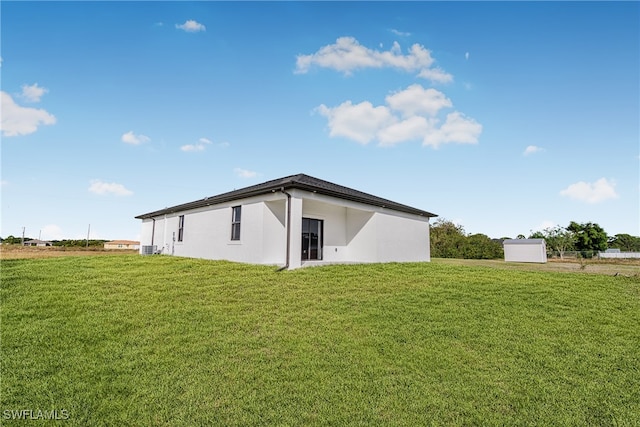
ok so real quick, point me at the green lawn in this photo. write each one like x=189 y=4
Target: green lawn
x=128 y=340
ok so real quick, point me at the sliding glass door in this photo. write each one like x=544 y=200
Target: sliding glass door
x=312 y=239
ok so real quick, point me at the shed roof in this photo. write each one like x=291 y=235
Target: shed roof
x=523 y=241
x=299 y=181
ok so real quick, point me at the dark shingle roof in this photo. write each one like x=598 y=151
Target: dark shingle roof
x=301 y=182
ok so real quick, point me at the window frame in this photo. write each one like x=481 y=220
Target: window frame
x=236 y=221
x=180 y=228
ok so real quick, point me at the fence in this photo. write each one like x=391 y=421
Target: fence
x=619 y=255
x=592 y=254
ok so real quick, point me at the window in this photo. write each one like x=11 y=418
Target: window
x=180 y=228
x=235 y=222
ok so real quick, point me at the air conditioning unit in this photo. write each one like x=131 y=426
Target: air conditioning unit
x=148 y=249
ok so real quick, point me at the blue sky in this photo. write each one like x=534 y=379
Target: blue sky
x=504 y=117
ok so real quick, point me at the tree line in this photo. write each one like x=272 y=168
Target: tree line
x=586 y=238
x=449 y=240
x=68 y=243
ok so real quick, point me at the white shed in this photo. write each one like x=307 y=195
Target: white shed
x=525 y=250
x=292 y=221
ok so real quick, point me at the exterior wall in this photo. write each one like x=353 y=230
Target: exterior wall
x=525 y=252
x=146 y=233
x=207 y=232
x=295 y=241
x=352 y=232
x=361 y=236
x=161 y=232
x=334 y=232
x=355 y=232
x=274 y=232
x=402 y=239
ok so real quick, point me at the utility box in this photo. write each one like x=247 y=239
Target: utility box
x=525 y=250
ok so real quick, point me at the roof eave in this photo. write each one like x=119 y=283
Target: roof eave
x=287 y=185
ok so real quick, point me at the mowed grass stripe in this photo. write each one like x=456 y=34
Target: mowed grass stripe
x=130 y=340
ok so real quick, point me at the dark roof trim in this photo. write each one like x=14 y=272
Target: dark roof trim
x=301 y=182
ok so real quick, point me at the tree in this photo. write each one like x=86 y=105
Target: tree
x=12 y=240
x=538 y=235
x=480 y=246
x=447 y=239
x=625 y=242
x=557 y=238
x=588 y=236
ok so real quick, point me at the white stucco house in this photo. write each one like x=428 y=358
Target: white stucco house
x=293 y=221
x=525 y=250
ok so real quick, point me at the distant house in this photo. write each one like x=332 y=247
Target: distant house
x=525 y=250
x=292 y=222
x=122 y=244
x=36 y=242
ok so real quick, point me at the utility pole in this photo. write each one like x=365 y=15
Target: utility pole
x=22 y=236
x=88 y=231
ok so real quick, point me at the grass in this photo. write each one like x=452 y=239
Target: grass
x=130 y=340
x=36 y=252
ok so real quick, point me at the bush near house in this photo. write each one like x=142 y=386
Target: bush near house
x=131 y=340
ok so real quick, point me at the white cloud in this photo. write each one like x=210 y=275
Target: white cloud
x=4 y=183
x=347 y=55
x=436 y=75
x=360 y=122
x=51 y=232
x=531 y=149
x=411 y=114
x=192 y=147
x=456 y=128
x=198 y=146
x=417 y=100
x=466 y=56
x=131 y=138
x=413 y=128
x=243 y=173
x=191 y=26
x=100 y=187
x=18 y=120
x=33 y=93
x=400 y=33
x=595 y=192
